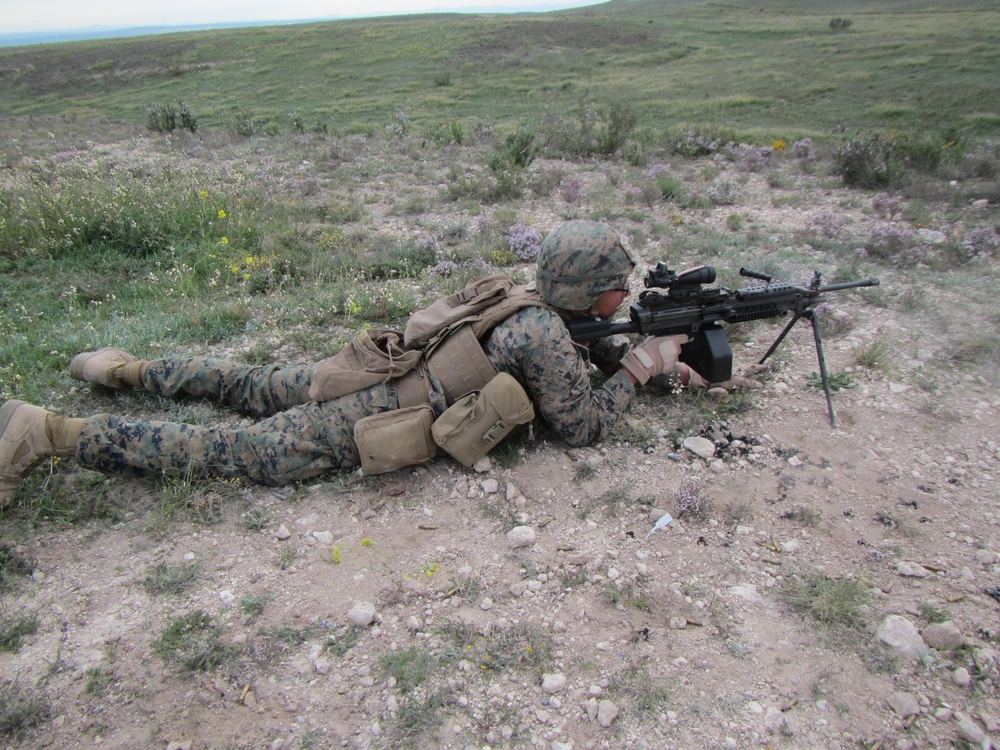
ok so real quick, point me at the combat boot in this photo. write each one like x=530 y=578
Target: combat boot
x=29 y=435
x=114 y=368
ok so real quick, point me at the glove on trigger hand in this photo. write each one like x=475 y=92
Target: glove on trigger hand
x=654 y=356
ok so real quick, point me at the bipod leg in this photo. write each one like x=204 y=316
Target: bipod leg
x=822 y=367
x=781 y=337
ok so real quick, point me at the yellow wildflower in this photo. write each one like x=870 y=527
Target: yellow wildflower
x=224 y=241
x=222 y=214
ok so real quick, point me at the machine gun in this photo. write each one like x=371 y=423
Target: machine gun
x=679 y=303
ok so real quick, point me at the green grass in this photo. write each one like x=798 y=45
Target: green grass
x=15 y=628
x=829 y=602
x=21 y=709
x=192 y=643
x=758 y=67
x=171 y=578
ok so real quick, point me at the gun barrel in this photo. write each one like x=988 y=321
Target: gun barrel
x=848 y=285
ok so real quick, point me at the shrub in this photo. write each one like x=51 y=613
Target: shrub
x=888 y=240
x=803 y=149
x=869 y=161
x=748 y=158
x=724 y=193
x=980 y=243
x=697 y=141
x=166 y=118
x=840 y=24
x=524 y=242
x=827 y=224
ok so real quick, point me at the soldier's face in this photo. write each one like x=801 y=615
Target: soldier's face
x=609 y=302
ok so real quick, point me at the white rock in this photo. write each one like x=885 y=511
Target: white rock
x=911 y=569
x=282 y=533
x=944 y=636
x=482 y=466
x=961 y=677
x=553 y=683
x=607 y=712
x=790 y=546
x=521 y=536
x=969 y=730
x=490 y=486
x=227 y=597
x=904 y=704
x=901 y=636
x=323 y=537
x=701 y=447
x=361 y=615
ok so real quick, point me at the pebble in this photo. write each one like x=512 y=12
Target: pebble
x=482 y=466
x=323 y=537
x=961 y=677
x=553 y=683
x=902 y=636
x=361 y=615
x=521 y=536
x=607 y=712
x=911 y=569
x=969 y=730
x=282 y=533
x=490 y=486
x=701 y=447
x=904 y=704
x=944 y=636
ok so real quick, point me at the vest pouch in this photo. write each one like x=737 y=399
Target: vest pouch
x=473 y=425
x=395 y=439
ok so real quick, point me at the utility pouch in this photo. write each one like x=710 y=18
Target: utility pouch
x=475 y=423
x=395 y=439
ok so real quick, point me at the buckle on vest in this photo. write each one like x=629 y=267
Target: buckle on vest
x=491 y=434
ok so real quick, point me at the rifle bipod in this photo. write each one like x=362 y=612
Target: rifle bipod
x=819 y=355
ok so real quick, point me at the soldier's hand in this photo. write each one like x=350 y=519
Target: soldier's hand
x=745 y=381
x=656 y=355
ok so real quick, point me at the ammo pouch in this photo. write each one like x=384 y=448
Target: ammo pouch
x=395 y=439
x=478 y=421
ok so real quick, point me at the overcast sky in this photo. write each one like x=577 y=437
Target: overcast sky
x=17 y=16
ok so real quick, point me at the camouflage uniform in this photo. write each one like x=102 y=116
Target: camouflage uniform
x=297 y=439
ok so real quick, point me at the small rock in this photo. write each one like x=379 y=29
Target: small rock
x=490 y=486
x=486 y=604
x=183 y=745
x=323 y=537
x=701 y=447
x=228 y=564
x=482 y=466
x=902 y=636
x=553 y=683
x=282 y=533
x=904 y=704
x=969 y=730
x=607 y=712
x=792 y=545
x=227 y=597
x=944 y=636
x=911 y=569
x=961 y=677
x=362 y=614
x=678 y=623
x=521 y=536
x=794 y=461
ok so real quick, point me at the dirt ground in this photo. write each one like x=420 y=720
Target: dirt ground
x=836 y=588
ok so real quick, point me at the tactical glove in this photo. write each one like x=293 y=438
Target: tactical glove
x=657 y=355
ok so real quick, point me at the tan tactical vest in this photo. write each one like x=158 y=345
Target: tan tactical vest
x=446 y=334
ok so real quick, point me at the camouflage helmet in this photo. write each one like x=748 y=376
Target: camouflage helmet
x=580 y=261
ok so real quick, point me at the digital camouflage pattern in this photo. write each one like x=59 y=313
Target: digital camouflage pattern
x=298 y=439
x=578 y=262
